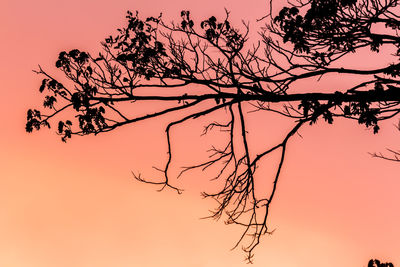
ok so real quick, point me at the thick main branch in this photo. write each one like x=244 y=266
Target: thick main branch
x=360 y=96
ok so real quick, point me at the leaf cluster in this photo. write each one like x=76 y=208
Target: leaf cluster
x=333 y=26
x=34 y=120
x=378 y=263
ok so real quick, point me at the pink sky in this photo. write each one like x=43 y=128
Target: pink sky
x=77 y=204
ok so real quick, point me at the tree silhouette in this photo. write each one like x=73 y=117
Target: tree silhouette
x=377 y=263
x=194 y=69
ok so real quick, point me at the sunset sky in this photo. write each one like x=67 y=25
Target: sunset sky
x=77 y=204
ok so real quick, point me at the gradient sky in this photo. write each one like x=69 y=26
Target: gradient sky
x=77 y=204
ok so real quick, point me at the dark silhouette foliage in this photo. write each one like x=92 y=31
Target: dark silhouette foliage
x=377 y=263
x=150 y=61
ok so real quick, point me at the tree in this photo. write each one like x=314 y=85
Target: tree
x=377 y=263
x=194 y=70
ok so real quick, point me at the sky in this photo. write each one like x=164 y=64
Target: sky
x=77 y=204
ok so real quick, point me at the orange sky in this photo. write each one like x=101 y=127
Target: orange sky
x=76 y=204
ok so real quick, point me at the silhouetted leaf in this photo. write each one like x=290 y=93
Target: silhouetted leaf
x=42 y=87
x=29 y=114
x=183 y=24
x=76 y=101
x=89 y=69
x=60 y=127
x=74 y=53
